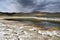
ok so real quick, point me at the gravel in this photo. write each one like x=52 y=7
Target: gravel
x=22 y=32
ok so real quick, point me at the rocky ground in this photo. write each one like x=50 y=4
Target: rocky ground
x=15 y=30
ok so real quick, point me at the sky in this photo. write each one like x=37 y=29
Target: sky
x=29 y=5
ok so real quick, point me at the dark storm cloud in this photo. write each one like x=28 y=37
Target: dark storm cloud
x=29 y=5
x=26 y=3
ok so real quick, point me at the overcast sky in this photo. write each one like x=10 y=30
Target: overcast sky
x=29 y=5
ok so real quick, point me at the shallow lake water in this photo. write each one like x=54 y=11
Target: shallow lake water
x=48 y=24
x=44 y=24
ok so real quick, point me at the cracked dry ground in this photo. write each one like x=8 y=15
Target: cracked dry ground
x=15 y=30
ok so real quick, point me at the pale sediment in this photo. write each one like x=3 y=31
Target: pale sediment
x=22 y=31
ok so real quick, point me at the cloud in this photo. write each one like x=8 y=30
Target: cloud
x=26 y=3
x=49 y=6
x=29 y=5
x=8 y=6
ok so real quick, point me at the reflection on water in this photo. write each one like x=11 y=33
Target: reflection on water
x=48 y=25
x=44 y=24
